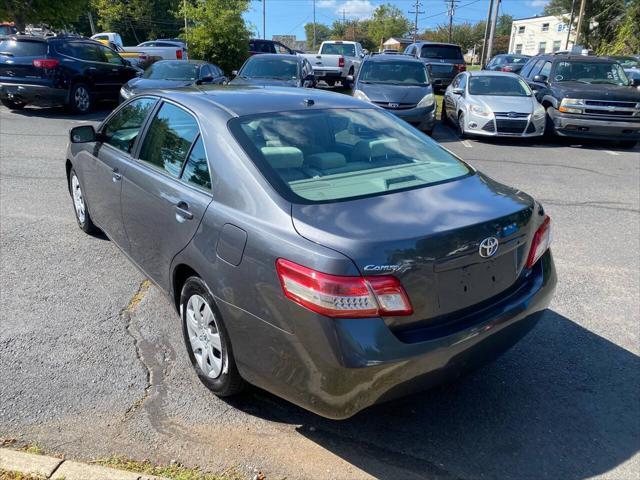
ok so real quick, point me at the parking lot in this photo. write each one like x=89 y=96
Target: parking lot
x=93 y=362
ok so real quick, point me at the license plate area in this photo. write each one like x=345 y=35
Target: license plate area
x=465 y=286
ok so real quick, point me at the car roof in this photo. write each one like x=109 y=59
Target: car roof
x=437 y=43
x=278 y=55
x=491 y=73
x=583 y=58
x=182 y=62
x=392 y=58
x=242 y=100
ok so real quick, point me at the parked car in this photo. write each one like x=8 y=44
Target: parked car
x=313 y=244
x=336 y=61
x=71 y=71
x=172 y=74
x=444 y=60
x=631 y=66
x=399 y=84
x=586 y=97
x=507 y=63
x=390 y=51
x=496 y=104
x=139 y=59
x=164 y=50
x=278 y=70
x=111 y=37
x=7 y=28
x=258 y=46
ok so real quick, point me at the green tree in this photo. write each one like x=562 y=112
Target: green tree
x=219 y=33
x=625 y=39
x=323 y=32
x=46 y=12
x=387 y=21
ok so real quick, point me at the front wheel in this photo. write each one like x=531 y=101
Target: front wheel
x=12 y=104
x=80 y=205
x=207 y=340
x=80 y=100
x=549 y=127
x=461 y=131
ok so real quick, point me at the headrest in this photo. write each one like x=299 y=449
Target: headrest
x=368 y=150
x=326 y=160
x=283 y=157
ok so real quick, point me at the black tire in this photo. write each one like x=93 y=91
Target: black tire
x=346 y=83
x=228 y=381
x=460 y=127
x=12 y=104
x=628 y=143
x=80 y=99
x=443 y=115
x=549 y=127
x=84 y=219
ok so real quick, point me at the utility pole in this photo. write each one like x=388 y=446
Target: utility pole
x=573 y=9
x=93 y=27
x=314 y=24
x=486 y=35
x=417 y=12
x=264 y=19
x=492 y=31
x=186 y=36
x=580 y=19
x=452 y=9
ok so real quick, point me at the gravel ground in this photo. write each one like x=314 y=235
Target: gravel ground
x=88 y=372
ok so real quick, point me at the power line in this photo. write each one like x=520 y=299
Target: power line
x=452 y=10
x=417 y=12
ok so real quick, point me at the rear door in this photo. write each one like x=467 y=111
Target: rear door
x=166 y=191
x=117 y=70
x=16 y=61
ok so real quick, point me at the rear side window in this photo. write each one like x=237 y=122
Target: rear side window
x=444 y=52
x=196 y=170
x=169 y=139
x=123 y=128
x=84 y=51
x=22 y=48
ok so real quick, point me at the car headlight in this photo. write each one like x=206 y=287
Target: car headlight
x=539 y=113
x=571 y=105
x=360 y=95
x=125 y=92
x=479 y=110
x=427 y=101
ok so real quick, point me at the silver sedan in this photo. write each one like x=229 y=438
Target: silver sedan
x=493 y=104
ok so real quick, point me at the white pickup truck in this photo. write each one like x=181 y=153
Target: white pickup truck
x=336 y=61
x=162 y=49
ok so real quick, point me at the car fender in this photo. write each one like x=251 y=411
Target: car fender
x=549 y=99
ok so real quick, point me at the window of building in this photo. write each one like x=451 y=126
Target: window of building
x=542 y=47
x=556 y=45
x=521 y=29
x=518 y=48
x=545 y=27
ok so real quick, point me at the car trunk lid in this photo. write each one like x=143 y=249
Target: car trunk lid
x=429 y=238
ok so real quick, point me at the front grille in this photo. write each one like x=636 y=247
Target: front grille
x=618 y=113
x=510 y=126
x=611 y=108
x=607 y=103
x=511 y=114
x=396 y=106
x=489 y=127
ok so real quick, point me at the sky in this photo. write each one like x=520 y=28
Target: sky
x=288 y=17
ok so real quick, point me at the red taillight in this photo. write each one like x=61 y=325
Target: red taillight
x=540 y=243
x=507 y=68
x=45 y=63
x=460 y=67
x=179 y=54
x=342 y=296
x=341 y=62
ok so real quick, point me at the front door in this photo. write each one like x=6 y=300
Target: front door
x=166 y=191
x=104 y=168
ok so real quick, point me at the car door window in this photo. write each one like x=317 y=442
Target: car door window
x=123 y=128
x=205 y=72
x=463 y=82
x=546 y=69
x=109 y=56
x=526 y=70
x=169 y=139
x=196 y=170
x=281 y=49
x=536 y=69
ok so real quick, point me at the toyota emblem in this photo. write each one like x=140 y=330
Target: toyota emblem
x=488 y=247
x=394 y=105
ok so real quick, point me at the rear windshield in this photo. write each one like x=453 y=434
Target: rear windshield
x=265 y=66
x=395 y=73
x=337 y=154
x=347 y=50
x=449 y=52
x=172 y=71
x=22 y=48
x=499 y=86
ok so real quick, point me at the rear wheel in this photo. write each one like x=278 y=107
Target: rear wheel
x=80 y=205
x=80 y=100
x=207 y=340
x=12 y=104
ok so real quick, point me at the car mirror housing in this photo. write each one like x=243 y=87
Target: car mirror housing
x=234 y=73
x=540 y=78
x=458 y=91
x=82 y=134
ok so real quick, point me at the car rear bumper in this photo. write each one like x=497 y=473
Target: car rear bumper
x=322 y=74
x=610 y=129
x=39 y=95
x=337 y=367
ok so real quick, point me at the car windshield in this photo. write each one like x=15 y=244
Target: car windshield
x=172 y=71
x=628 y=62
x=590 y=72
x=347 y=50
x=337 y=154
x=444 y=52
x=396 y=73
x=265 y=66
x=498 y=86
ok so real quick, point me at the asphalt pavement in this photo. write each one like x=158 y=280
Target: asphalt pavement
x=92 y=361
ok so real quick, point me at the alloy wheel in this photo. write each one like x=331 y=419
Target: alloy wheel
x=204 y=337
x=82 y=99
x=78 y=199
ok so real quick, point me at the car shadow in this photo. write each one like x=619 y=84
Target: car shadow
x=563 y=403
x=60 y=113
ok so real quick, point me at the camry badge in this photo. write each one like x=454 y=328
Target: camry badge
x=394 y=105
x=488 y=247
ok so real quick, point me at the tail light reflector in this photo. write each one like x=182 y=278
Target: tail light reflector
x=45 y=63
x=179 y=54
x=342 y=296
x=540 y=243
x=341 y=62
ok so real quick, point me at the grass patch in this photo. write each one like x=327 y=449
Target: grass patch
x=36 y=450
x=174 y=471
x=7 y=475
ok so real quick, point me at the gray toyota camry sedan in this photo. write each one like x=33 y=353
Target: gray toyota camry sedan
x=314 y=245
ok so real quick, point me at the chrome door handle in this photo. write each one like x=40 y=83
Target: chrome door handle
x=182 y=211
x=115 y=175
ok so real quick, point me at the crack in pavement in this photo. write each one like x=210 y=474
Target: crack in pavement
x=594 y=204
x=537 y=164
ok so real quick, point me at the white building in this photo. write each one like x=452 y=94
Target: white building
x=536 y=35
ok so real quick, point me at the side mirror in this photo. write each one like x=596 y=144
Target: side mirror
x=457 y=91
x=540 y=78
x=635 y=82
x=82 y=134
x=350 y=78
x=234 y=73
x=207 y=79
